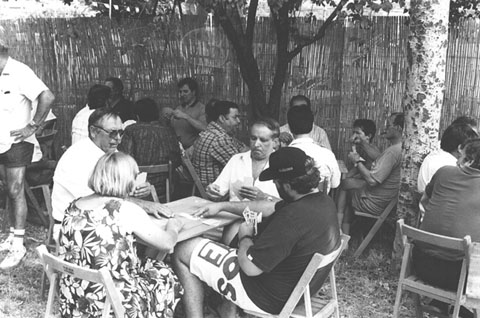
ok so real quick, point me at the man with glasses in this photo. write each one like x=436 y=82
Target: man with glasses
x=76 y=164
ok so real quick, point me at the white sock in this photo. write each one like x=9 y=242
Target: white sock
x=18 y=238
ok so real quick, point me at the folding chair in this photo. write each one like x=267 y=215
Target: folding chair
x=380 y=219
x=53 y=266
x=410 y=282
x=156 y=169
x=196 y=180
x=312 y=306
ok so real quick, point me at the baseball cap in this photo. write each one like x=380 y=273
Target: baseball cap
x=285 y=163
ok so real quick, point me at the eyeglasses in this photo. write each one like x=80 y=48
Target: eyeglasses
x=112 y=133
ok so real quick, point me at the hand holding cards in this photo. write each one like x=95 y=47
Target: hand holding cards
x=252 y=217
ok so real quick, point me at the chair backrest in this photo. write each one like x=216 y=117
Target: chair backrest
x=53 y=265
x=155 y=169
x=196 y=180
x=317 y=262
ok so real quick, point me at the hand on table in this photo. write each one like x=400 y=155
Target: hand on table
x=213 y=191
x=141 y=190
x=158 y=210
x=208 y=210
x=252 y=193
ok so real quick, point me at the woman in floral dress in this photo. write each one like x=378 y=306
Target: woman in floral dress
x=99 y=231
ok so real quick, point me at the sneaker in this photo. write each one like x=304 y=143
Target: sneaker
x=7 y=244
x=13 y=258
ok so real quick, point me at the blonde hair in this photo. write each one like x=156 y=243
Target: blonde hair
x=114 y=175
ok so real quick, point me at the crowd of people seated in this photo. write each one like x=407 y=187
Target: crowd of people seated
x=286 y=172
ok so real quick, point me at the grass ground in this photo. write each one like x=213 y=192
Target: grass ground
x=366 y=287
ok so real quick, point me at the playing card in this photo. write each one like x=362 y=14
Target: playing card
x=252 y=217
x=141 y=178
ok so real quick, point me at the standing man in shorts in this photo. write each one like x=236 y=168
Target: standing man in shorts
x=262 y=272
x=24 y=104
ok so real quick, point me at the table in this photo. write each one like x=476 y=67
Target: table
x=473 y=279
x=193 y=227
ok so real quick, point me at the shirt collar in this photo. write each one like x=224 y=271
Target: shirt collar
x=302 y=140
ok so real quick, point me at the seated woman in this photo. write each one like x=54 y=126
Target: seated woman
x=451 y=204
x=99 y=231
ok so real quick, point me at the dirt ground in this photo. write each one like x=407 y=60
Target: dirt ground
x=366 y=287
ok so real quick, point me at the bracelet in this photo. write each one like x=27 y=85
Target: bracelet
x=245 y=237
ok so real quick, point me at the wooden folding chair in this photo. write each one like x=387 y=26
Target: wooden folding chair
x=410 y=282
x=380 y=219
x=312 y=306
x=53 y=266
x=197 y=185
x=156 y=169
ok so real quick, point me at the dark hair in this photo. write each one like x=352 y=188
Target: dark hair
x=472 y=152
x=367 y=126
x=270 y=123
x=221 y=107
x=97 y=96
x=190 y=82
x=302 y=98
x=399 y=119
x=300 y=119
x=146 y=110
x=209 y=109
x=100 y=114
x=117 y=83
x=465 y=120
x=304 y=184
x=455 y=135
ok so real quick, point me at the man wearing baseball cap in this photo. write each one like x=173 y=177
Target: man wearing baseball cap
x=261 y=273
x=24 y=104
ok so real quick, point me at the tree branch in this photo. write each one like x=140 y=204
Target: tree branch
x=252 y=13
x=320 y=33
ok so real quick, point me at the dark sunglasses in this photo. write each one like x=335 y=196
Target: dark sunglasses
x=112 y=133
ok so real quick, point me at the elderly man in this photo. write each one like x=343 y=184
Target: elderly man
x=215 y=146
x=239 y=179
x=261 y=274
x=76 y=164
x=24 y=104
x=300 y=121
x=117 y=102
x=317 y=134
x=382 y=181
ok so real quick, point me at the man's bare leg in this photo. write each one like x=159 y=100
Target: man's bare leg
x=343 y=198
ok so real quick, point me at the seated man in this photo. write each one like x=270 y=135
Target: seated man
x=317 y=134
x=363 y=133
x=239 y=178
x=261 y=274
x=300 y=121
x=451 y=204
x=151 y=142
x=215 y=146
x=453 y=137
x=77 y=163
x=117 y=102
x=382 y=180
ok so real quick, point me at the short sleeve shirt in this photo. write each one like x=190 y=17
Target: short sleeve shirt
x=184 y=130
x=318 y=134
x=286 y=244
x=19 y=90
x=431 y=164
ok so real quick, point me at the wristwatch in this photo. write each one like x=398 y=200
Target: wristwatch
x=33 y=124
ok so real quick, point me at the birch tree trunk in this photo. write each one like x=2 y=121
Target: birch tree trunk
x=427 y=54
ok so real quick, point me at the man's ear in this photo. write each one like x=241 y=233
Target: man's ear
x=276 y=143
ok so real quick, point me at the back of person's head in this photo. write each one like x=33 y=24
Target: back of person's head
x=270 y=123
x=300 y=119
x=99 y=115
x=398 y=119
x=209 y=109
x=299 y=100
x=367 y=126
x=190 y=82
x=306 y=183
x=114 y=175
x=117 y=83
x=221 y=107
x=97 y=96
x=146 y=110
x=465 y=120
x=455 y=135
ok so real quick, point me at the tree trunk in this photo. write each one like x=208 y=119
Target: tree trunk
x=427 y=54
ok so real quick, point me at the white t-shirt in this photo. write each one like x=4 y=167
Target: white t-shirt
x=19 y=90
x=325 y=160
x=237 y=173
x=431 y=164
x=70 y=180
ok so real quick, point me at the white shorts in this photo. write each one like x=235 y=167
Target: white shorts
x=217 y=265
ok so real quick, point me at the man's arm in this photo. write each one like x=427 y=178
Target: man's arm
x=372 y=152
x=266 y=207
x=245 y=237
x=366 y=175
x=199 y=124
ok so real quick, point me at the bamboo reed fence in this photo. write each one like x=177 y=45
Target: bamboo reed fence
x=351 y=73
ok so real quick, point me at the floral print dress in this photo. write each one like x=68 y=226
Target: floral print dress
x=96 y=239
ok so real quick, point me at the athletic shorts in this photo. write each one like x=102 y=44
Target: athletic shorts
x=19 y=155
x=217 y=265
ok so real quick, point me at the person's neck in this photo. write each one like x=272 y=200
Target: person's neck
x=294 y=195
x=396 y=140
x=301 y=136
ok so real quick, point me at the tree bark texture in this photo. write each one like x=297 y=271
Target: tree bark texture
x=423 y=100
